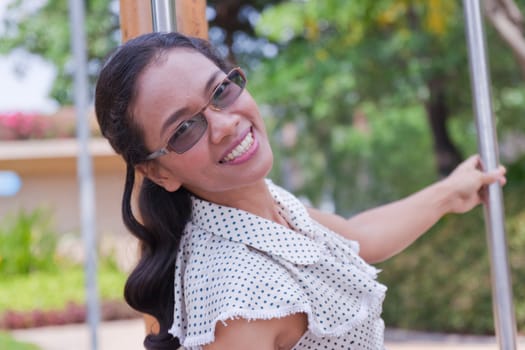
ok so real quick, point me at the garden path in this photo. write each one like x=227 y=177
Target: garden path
x=128 y=335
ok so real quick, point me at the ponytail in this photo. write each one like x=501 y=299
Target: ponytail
x=149 y=288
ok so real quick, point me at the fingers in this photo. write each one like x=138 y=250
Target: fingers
x=472 y=162
x=482 y=194
x=502 y=178
x=470 y=182
x=474 y=159
x=487 y=178
x=495 y=175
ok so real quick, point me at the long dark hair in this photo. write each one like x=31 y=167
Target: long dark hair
x=163 y=215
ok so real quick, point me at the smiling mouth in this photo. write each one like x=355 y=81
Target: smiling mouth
x=241 y=148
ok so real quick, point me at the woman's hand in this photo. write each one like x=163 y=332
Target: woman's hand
x=466 y=184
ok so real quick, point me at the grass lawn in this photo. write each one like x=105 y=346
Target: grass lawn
x=8 y=343
x=53 y=290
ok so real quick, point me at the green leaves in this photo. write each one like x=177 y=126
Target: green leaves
x=337 y=57
x=27 y=243
x=281 y=23
x=46 y=32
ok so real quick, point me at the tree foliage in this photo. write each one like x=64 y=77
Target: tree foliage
x=364 y=101
x=46 y=32
x=338 y=57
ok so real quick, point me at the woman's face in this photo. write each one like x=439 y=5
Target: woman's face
x=234 y=151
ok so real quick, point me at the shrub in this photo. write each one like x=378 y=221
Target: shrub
x=27 y=243
x=22 y=126
x=443 y=282
x=71 y=313
x=25 y=126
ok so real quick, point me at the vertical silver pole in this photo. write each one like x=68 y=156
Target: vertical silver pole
x=85 y=173
x=503 y=309
x=163 y=13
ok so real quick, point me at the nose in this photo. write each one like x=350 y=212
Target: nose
x=221 y=124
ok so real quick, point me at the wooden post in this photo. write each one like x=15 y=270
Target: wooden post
x=191 y=18
x=136 y=19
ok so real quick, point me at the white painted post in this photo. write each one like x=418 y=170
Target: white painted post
x=84 y=165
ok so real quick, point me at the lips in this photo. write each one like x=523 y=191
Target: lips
x=241 y=149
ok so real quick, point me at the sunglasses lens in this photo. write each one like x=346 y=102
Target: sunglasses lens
x=191 y=131
x=229 y=90
x=188 y=134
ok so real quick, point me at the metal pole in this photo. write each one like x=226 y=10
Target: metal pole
x=503 y=308
x=163 y=15
x=85 y=173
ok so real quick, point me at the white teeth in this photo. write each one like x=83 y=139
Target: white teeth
x=241 y=148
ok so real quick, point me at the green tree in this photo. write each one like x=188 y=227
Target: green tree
x=363 y=100
x=338 y=57
x=46 y=32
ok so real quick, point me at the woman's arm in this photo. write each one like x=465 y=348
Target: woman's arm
x=386 y=230
x=273 y=334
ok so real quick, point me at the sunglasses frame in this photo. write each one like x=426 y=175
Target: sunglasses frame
x=200 y=114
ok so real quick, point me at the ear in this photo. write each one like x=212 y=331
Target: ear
x=156 y=173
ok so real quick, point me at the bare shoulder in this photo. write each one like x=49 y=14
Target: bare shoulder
x=274 y=334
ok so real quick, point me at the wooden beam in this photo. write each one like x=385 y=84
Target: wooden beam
x=135 y=18
x=191 y=18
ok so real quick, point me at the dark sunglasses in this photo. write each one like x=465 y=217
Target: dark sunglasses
x=190 y=131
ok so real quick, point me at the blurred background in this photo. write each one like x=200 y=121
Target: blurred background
x=365 y=102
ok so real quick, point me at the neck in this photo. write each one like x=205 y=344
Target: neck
x=255 y=199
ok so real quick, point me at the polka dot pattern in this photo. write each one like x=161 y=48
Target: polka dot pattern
x=234 y=264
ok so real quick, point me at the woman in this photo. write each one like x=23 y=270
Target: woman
x=230 y=260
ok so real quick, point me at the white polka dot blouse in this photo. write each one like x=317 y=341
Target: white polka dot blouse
x=234 y=264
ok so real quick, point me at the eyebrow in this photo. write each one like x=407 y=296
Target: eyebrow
x=184 y=110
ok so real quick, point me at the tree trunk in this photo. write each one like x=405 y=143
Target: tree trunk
x=447 y=154
x=227 y=18
x=506 y=18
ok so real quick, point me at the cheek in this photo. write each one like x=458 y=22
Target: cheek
x=193 y=164
x=253 y=112
x=252 y=106
x=247 y=103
